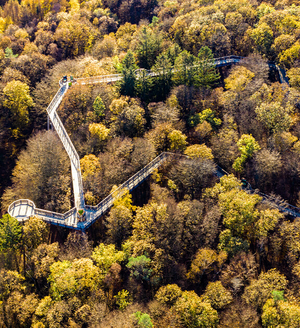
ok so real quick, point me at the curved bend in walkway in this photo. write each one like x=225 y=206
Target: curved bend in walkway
x=23 y=209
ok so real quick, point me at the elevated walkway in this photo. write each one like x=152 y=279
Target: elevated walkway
x=23 y=209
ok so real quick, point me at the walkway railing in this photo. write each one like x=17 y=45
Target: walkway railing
x=68 y=145
x=57 y=99
x=218 y=62
x=99 y=79
x=129 y=184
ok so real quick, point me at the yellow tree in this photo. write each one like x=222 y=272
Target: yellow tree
x=280 y=313
x=74 y=37
x=168 y=294
x=275 y=116
x=199 y=151
x=238 y=79
x=260 y=290
x=90 y=165
x=193 y=312
x=78 y=278
x=263 y=38
x=243 y=221
x=18 y=100
x=10 y=240
x=217 y=295
x=206 y=261
x=99 y=130
x=294 y=77
x=105 y=256
x=177 y=140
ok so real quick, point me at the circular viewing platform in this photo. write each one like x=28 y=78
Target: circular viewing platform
x=22 y=209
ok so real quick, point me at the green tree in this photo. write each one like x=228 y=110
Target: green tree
x=247 y=146
x=9 y=53
x=243 y=221
x=232 y=244
x=10 y=239
x=144 y=320
x=144 y=85
x=99 y=107
x=140 y=268
x=163 y=76
x=185 y=74
x=148 y=47
x=207 y=74
x=185 y=69
x=128 y=83
x=207 y=115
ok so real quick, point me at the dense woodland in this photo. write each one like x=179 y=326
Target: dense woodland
x=185 y=249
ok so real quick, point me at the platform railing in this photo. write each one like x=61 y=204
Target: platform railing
x=18 y=202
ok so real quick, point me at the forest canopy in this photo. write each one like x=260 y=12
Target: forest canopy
x=188 y=247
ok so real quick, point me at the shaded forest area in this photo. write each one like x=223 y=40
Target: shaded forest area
x=188 y=250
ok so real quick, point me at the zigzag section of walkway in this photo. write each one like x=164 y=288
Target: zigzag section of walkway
x=23 y=209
